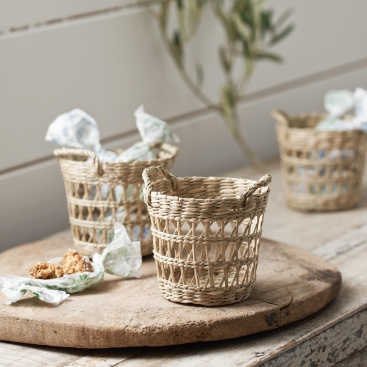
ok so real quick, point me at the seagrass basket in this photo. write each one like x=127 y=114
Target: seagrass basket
x=100 y=194
x=206 y=235
x=322 y=170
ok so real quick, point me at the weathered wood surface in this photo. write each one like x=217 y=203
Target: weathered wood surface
x=358 y=359
x=291 y=284
x=340 y=237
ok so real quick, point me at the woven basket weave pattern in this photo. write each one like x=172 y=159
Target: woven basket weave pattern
x=206 y=236
x=100 y=194
x=322 y=170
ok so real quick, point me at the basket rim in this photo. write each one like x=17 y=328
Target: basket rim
x=312 y=130
x=235 y=198
x=68 y=151
x=319 y=132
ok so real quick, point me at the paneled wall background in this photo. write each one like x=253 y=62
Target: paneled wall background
x=107 y=58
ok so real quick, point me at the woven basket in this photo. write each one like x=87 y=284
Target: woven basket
x=100 y=194
x=206 y=235
x=322 y=170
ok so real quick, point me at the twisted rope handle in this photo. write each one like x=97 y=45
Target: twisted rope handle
x=64 y=152
x=149 y=184
x=281 y=117
x=264 y=181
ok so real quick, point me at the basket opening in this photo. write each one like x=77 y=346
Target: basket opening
x=213 y=188
x=310 y=120
x=306 y=121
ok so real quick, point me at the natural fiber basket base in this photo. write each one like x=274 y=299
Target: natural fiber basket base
x=320 y=204
x=214 y=296
x=291 y=284
x=175 y=293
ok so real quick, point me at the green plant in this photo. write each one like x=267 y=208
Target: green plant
x=250 y=31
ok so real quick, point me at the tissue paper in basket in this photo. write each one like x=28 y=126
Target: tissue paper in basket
x=76 y=129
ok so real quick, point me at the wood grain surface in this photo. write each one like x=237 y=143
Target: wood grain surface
x=291 y=285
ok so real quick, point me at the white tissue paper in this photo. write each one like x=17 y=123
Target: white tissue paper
x=122 y=257
x=337 y=104
x=76 y=129
x=154 y=130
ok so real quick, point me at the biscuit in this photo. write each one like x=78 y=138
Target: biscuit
x=43 y=270
x=73 y=262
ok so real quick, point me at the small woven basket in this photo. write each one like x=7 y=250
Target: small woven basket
x=100 y=194
x=322 y=170
x=206 y=235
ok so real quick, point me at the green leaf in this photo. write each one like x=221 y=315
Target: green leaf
x=266 y=22
x=241 y=28
x=262 y=55
x=194 y=10
x=278 y=37
x=227 y=110
x=163 y=14
x=193 y=16
x=283 y=18
x=224 y=61
x=226 y=23
x=199 y=74
x=181 y=20
x=177 y=49
x=180 y=4
x=256 y=14
x=246 y=12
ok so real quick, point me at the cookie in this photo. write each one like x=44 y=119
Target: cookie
x=73 y=262
x=43 y=270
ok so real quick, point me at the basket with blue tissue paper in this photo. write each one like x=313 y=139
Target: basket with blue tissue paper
x=323 y=154
x=105 y=187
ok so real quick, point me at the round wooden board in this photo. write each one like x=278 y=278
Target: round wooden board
x=291 y=284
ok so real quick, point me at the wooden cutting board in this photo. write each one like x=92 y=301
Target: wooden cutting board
x=291 y=284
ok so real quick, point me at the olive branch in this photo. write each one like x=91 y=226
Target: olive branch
x=250 y=31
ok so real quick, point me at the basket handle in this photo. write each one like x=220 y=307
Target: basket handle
x=64 y=152
x=281 y=117
x=149 y=184
x=264 y=181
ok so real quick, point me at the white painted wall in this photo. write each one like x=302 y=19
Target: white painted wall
x=106 y=57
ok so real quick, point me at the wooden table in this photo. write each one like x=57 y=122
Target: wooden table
x=335 y=336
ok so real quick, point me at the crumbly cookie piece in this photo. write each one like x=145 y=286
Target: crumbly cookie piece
x=73 y=262
x=43 y=270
